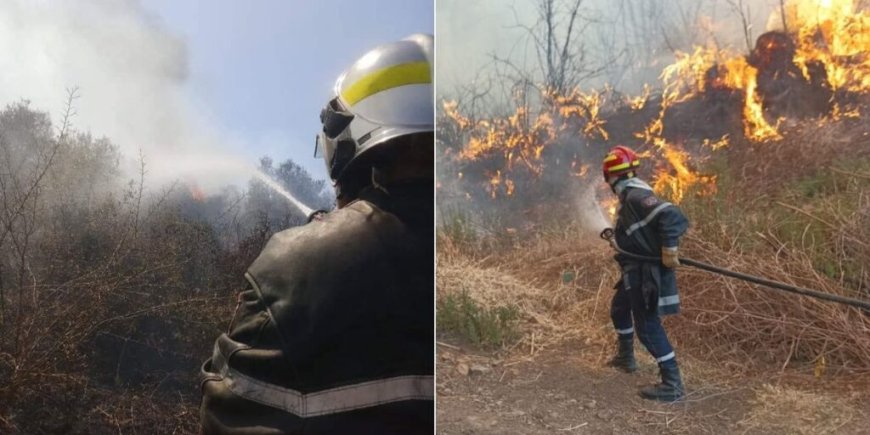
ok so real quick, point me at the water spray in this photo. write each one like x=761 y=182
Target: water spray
x=208 y=167
x=307 y=211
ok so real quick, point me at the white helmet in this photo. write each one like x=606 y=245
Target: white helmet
x=386 y=94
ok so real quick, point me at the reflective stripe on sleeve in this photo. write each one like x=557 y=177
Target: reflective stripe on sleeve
x=625 y=331
x=638 y=225
x=669 y=300
x=333 y=400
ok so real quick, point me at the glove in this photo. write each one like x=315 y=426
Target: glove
x=670 y=257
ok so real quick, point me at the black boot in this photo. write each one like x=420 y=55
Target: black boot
x=671 y=389
x=624 y=359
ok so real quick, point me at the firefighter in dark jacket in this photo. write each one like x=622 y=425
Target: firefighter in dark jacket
x=650 y=227
x=334 y=333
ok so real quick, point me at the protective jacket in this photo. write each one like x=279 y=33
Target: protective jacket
x=644 y=225
x=334 y=332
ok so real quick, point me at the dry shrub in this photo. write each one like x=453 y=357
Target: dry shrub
x=790 y=411
x=789 y=212
x=492 y=287
x=727 y=317
x=764 y=167
x=130 y=413
x=561 y=285
x=110 y=296
x=113 y=343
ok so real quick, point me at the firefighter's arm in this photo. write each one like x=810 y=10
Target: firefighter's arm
x=248 y=318
x=244 y=329
x=672 y=224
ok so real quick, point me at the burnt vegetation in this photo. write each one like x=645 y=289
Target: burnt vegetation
x=111 y=293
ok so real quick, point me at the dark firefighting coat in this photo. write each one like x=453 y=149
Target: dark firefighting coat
x=335 y=331
x=644 y=224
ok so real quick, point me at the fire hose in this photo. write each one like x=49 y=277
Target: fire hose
x=608 y=235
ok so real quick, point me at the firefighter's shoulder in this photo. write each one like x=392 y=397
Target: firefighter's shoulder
x=341 y=240
x=643 y=199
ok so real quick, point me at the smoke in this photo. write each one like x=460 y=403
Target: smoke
x=486 y=48
x=130 y=72
x=630 y=41
x=589 y=209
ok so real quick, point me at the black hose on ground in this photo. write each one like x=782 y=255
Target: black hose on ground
x=607 y=234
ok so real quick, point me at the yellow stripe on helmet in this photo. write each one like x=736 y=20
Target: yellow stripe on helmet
x=610 y=158
x=412 y=73
x=619 y=167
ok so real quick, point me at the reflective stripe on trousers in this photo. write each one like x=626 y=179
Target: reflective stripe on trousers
x=628 y=310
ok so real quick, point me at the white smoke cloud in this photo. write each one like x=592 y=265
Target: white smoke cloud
x=130 y=71
x=617 y=33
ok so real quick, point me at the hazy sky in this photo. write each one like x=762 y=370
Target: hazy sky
x=266 y=67
x=471 y=32
x=202 y=88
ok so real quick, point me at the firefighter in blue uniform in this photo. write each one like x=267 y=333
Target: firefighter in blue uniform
x=650 y=227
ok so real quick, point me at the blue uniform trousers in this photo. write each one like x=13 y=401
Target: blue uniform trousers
x=630 y=314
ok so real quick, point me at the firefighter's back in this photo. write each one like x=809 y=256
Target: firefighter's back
x=336 y=330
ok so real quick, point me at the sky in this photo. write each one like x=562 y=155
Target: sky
x=266 y=68
x=199 y=87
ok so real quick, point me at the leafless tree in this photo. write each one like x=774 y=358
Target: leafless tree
x=559 y=38
x=745 y=14
x=20 y=188
x=782 y=16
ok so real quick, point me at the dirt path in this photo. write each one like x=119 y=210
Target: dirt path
x=565 y=391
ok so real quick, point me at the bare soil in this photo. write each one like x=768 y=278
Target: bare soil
x=568 y=389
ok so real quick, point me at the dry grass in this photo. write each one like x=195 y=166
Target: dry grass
x=758 y=325
x=791 y=411
x=722 y=319
x=562 y=284
x=549 y=281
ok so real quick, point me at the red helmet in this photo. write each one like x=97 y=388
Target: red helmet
x=620 y=161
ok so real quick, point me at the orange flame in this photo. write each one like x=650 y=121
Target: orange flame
x=831 y=36
x=835 y=34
